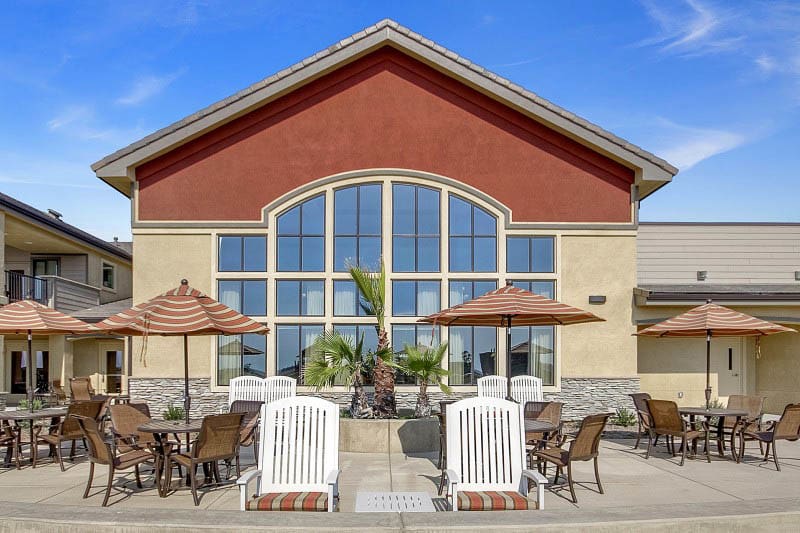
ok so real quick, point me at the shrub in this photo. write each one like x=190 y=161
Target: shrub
x=174 y=412
x=624 y=417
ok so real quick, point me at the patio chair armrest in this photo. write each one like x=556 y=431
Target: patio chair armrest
x=453 y=480
x=243 y=481
x=540 y=481
x=332 y=480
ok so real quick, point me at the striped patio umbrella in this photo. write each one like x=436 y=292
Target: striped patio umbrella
x=30 y=317
x=712 y=320
x=509 y=306
x=182 y=311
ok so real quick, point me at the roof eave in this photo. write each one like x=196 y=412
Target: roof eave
x=117 y=169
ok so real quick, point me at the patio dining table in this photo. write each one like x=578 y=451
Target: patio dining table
x=720 y=415
x=25 y=415
x=161 y=429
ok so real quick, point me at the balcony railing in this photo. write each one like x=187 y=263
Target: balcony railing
x=24 y=287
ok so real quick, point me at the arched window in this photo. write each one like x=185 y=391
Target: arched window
x=415 y=228
x=473 y=238
x=301 y=237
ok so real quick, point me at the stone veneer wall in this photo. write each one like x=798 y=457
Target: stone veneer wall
x=581 y=396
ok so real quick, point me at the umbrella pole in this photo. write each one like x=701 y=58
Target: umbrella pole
x=29 y=373
x=508 y=357
x=708 y=369
x=187 y=402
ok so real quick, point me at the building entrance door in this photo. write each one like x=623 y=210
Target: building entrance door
x=19 y=363
x=112 y=362
x=726 y=363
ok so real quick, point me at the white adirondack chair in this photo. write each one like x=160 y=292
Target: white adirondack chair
x=526 y=389
x=299 y=453
x=250 y=388
x=278 y=388
x=486 y=456
x=493 y=387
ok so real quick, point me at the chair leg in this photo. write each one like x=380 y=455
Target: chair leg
x=138 y=477
x=60 y=457
x=571 y=484
x=708 y=452
x=558 y=473
x=72 y=450
x=108 y=485
x=441 y=483
x=193 y=479
x=775 y=456
x=638 y=436
x=649 y=445
x=597 y=476
x=238 y=467
x=89 y=482
x=684 y=445
x=766 y=452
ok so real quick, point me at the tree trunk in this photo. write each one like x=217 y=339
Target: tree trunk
x=383 y=377
x=423 y=409
x=359 y=407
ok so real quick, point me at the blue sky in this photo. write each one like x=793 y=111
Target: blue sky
x=713 y=87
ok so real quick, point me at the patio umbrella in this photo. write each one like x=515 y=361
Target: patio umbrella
x=182 y=311
x=509 y=306
x=711 y=320
x=30 y=317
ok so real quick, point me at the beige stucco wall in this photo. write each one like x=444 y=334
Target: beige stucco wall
x=599 y=265
x=161 y=261
x=778 y=370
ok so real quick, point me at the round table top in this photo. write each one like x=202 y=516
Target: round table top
x=25 y=414
x=702 y=411
x=171 y=426
x=539 y=426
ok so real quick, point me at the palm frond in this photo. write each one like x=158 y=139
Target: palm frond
x=334 y=359
x=425 y=364
x=372 y=289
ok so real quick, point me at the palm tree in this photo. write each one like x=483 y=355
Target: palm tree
x=372 y=286
x=335 y=359
x=425 y=364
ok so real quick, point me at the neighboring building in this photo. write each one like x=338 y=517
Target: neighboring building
x=45 y=259
x=388 y=145
x=750 y=267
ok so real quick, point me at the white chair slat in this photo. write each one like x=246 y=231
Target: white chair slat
x=493 y=387
x=526 y=389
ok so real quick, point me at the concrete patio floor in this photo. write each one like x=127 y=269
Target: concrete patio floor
x=635 y=489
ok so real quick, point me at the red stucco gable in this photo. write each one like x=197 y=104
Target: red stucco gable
x=385 y=110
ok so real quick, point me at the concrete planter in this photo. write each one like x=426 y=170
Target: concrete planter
x=389 y=436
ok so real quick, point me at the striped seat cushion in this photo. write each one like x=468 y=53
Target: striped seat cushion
x=493 y=501
x=289 y=501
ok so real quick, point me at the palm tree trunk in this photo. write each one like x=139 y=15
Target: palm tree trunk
x=359 y=408
x=383 y=376
x=423 y=409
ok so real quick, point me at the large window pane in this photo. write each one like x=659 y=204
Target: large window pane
x=427 y=297
x=254 y=355
x=345 y=298
x=288 y=254
x=369 y=219
x=313 y=213
x=289 y=222
x=255 y=254
x=427 y=254
x=313 y=259
x=345 y=218
x=344 y=253
x=369 y=252
x=241 y=355
x=517 y=254
x=460 y=217
x=230 y=293
x=293 y=343
x=404 y=298
x=542 y=251
x=288 y=296
x=312 y=296
x=484 y=254
x=357 y=227
x=533 y=352
x=354 y=332
x=255 y=297
x=427 y=211
x=472 y=353
x=403 y=256
x=546 y=288
x=460 y=254
x=230 y=254
x=463 y=291
x=403 y=210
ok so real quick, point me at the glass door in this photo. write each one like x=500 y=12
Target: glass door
x=114 y=362
x=19 y=364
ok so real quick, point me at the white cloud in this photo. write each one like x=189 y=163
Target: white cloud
x=79 y=122
x=686 y=146
x=146 y=87
x=699 y=28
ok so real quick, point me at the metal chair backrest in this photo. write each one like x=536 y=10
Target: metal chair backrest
x=100 y=451
x=526 y=389
x=640 y=401
x=485 y=444
x=587 y=441
x=493 y=387
x=126 y=419
x=299 y=444
x=218 y=437
x=665 y=415
x=549 y=411
x=91 y=409
x=246 y=388
x=81 y=389
x=788 y=427
x=279 y=387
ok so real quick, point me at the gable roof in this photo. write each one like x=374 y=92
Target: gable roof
x=651 y=171
x=41 y=218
